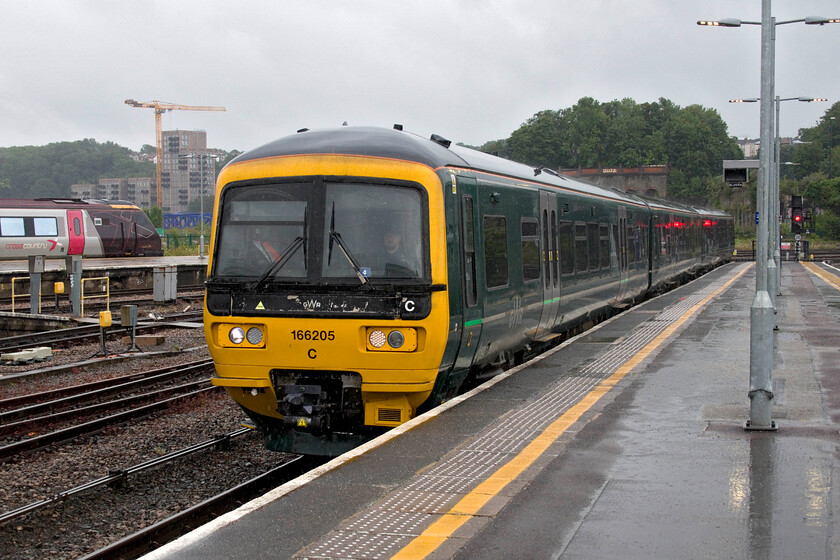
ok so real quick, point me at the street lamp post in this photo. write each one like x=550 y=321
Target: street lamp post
x=201 y=158
x=830 y=147
x=761 y=311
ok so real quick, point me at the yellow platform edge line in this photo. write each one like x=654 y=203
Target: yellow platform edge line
x=469 y=506
x=817 y=271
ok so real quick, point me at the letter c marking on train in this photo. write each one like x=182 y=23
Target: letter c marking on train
x=312 y=354
x=409 y=306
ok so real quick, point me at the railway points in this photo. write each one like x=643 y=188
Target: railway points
x=627 y=441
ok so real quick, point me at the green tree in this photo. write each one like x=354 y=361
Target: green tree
x=32 y=171
x=497 y=148
x=538 y=141
x=195 y=205
x=155 y=214
x=693 y=141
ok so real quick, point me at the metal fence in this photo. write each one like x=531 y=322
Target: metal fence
x=185 y=220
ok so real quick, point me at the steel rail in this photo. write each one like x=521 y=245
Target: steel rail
x=40 y=403
x=85 y=332
x=90 y=410
x=67 y=434
x=122 y=474
x=171 y=528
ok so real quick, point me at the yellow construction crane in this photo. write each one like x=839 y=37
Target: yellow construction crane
x=160 y=108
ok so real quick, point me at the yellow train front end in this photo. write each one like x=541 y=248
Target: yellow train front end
x=326 y=310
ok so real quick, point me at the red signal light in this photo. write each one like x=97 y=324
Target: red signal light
x=797 y=218
x=707 y=223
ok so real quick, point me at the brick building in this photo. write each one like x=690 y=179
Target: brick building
x=647 y=180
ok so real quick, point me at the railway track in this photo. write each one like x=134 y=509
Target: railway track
x=129 y=511
x=169 y=529
x=87 y=333
x=33 y=425
x=115 y=477
x=25 y=405
x=831 y=255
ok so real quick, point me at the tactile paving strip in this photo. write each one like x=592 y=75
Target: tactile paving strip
x=390 y=524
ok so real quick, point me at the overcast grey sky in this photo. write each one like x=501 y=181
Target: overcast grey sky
x=469 y=70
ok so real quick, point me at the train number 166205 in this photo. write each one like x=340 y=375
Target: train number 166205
x=313 y=335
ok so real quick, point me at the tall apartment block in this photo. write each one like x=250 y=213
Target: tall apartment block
x=188 y=171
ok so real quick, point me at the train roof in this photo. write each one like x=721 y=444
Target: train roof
x=65 y=203
x=435 y=152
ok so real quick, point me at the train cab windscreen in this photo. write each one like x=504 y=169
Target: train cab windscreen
x=321 y=233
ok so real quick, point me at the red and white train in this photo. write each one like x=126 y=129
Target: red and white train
x=55 y=227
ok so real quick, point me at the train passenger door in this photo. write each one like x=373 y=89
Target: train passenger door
x=550 y=264
x=621 y=252
x=471 y=304
x=75 y=232
x=128 y=230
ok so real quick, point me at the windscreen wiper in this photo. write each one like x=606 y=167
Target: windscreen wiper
x=280 y=261
x=335 y=236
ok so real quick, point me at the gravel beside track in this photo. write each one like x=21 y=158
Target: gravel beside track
x=83 y=523
x=180 y=345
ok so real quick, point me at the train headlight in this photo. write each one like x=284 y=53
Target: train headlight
x=377 y=338
x=231 y=335
x=236 y=335
x=254 y=336
x=385 y=339
x=396 y=339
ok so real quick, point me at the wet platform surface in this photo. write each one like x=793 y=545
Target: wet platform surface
x=626 y=442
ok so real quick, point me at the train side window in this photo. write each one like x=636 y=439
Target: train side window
x=12 y=227
x=604 y=245
x=45 y=226
x=495 y=251
x=631 y=244
x=77 y=226
x=469 y=251
x=593 y=239
x=531 y=250
x=567 y=248
x=581 y=253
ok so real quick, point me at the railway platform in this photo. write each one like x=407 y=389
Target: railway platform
x=625 y=442
x=135 y=273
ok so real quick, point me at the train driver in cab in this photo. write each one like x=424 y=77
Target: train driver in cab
x=396 y=261
x=260 y=248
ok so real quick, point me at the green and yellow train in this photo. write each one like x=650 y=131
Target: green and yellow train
x=360 y=276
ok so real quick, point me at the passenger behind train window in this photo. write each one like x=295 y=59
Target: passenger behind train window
x=395 y=258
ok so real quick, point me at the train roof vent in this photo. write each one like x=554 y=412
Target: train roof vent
x=548 y=170
x=441 y=140
x=60 y=200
